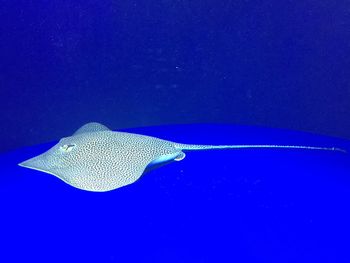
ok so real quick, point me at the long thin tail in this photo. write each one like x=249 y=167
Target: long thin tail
x=189 y=147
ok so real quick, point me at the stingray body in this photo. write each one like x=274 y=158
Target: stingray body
x=97 y=159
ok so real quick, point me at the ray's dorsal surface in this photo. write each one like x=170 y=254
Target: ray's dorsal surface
x=97 y=159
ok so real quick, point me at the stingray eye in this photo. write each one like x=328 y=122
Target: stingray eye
x=67 y=147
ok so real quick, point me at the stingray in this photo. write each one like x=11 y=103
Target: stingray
x=98 y=159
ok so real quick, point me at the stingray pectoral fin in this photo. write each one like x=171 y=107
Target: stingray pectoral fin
x=102 y=181
x=38 y=163
x=99 y=176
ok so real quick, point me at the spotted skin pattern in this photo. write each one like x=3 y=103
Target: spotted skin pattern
x=97 y=159
x=102 y=160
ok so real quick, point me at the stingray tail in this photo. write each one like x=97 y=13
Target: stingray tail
x=194 y=147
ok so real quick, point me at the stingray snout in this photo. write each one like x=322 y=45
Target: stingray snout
x=39 y=163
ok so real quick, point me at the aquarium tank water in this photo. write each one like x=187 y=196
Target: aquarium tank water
x=245 y=72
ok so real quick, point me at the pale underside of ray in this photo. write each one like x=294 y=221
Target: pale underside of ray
x=95 y=158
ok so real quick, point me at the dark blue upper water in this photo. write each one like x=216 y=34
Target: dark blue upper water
x=138 y=63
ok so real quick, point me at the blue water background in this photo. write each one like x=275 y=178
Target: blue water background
x=281 y=64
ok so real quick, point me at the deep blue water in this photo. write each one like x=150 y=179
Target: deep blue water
x=276 y=64
x=134 y=63
x=214 y=206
